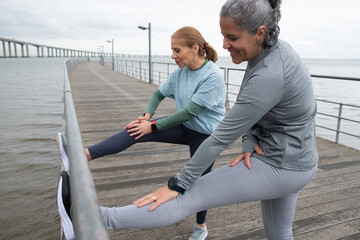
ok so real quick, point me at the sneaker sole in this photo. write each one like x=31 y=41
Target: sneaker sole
x=66 y=222
x=64 y=158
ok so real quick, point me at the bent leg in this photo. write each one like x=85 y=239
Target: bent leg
x=195 y=139
x=278 y=216
x=201 y=216
x=122 y=140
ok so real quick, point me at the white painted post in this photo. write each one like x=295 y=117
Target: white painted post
x=4 y=49
x=9 y=45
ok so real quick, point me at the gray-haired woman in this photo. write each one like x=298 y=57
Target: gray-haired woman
x=275 y=109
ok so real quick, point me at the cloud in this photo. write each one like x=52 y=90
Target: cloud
x=321 y=28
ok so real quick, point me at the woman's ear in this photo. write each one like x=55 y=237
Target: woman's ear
x=260 y=33
x=195 y=48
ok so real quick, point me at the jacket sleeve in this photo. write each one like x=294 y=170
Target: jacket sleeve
x=154 y=102
x=190 y=111
x=249 y=140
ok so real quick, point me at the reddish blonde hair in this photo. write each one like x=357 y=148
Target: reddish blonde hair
x=192 y=36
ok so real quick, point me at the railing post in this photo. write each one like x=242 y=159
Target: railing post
x=140 y=70
x=168 y=70
x=126 y=67
x=132 y=66
x=226 y=78
x=339 y=123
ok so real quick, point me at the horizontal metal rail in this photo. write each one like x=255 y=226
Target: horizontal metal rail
x=87 y=219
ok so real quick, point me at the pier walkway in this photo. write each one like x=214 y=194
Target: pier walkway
x=105 y=101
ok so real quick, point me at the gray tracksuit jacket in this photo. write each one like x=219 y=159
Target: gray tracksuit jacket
x=275 y=108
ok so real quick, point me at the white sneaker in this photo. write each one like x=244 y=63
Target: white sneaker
x=198 y=233
x=64 y=205
x=62 y=146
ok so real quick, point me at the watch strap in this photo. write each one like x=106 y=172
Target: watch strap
x=153 y=126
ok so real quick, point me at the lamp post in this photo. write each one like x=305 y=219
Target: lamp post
x=112 y=51
x=150 y=68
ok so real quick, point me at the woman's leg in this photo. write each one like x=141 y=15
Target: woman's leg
x=122 y=140
x=195 y=139
x=223 y=186
x=278 y=216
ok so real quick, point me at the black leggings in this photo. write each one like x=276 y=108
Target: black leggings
x=178 y=135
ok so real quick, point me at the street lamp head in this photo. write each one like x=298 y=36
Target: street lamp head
x=142 y=28
x=108 y=41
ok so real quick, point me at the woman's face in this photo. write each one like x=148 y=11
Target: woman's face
x=241 y=45
x=183 y=55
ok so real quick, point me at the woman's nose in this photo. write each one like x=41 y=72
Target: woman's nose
x=226 y=44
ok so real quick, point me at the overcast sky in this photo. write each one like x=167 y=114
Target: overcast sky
x=315 y=28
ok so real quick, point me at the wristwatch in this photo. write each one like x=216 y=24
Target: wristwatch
x=153 y=126
x=173 y=185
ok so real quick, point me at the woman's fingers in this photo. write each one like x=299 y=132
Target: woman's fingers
x=247 y=156
x=132 y=124
x=244 y=156
x=158 y=197
x=258 y=150
x=143 y=199
x=236 y=160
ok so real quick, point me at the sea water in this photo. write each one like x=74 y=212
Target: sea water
x=31 y=115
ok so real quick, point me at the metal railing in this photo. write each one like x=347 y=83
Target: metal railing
x=339 y=118
x=162 y=70
x=88 y=224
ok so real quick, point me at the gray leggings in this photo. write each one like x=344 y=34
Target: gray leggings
x=277 y=189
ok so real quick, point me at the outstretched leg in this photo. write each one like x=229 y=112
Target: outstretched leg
x=223 y=186
x=122 y=140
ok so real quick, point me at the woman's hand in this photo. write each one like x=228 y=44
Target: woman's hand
x=146 y=116
x=160 y=196
x=246 y=157
x=131 y=125
x=140 y=128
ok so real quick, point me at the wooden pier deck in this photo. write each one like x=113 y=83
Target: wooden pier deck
x=105 y=101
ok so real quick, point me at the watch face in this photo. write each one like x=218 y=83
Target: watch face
x=172 y=183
